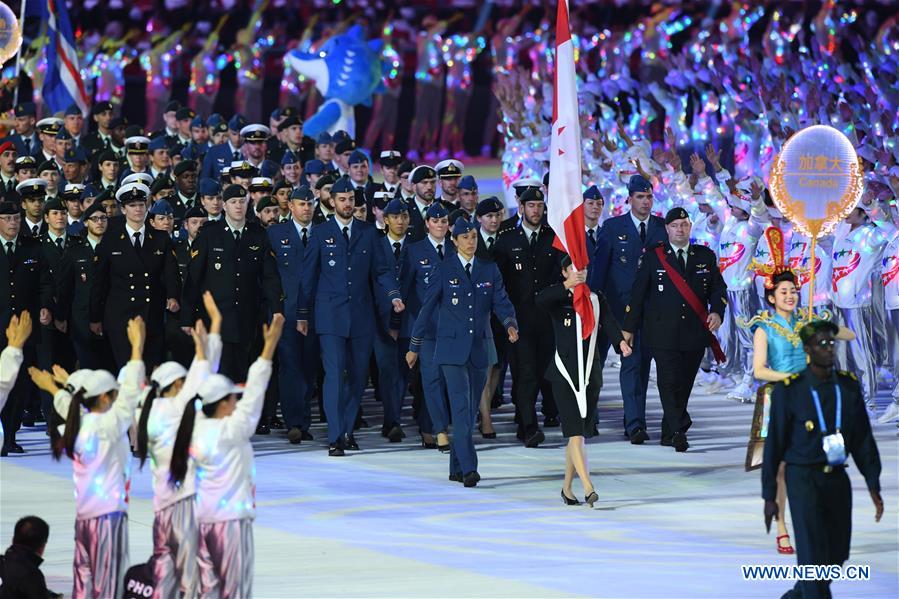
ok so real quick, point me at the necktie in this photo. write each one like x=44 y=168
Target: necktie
x=490 y=243
x=680 y=258
x=236 y=155
x=533 y=241
x=346 y=234
x=643 y=232
x=10 y=186
x=59 y=243
x=136 y=240
x=27 y=141
x=468 y=270
x=305 y=236
x=9 y=249
x=440 y=250
x=592 y=235
x=397 y=246
x=36 y=230
x=236 y=235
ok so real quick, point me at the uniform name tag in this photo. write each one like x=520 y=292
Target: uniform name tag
x=29 y=261
x=116 y=253
x=218 y=249
x=484 y=284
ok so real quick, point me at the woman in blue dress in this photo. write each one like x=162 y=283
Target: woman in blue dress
x=777 y=354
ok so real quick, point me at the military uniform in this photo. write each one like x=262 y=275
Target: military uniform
x=179 y=345
x=527 y=267
x=820 y=494
x=130 y=282
x=672 y=332
x=91 y=350
x=239 y=274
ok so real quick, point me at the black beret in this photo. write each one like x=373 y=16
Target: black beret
x=488 y=205
x=345 y=145
x=195 y=212
x=532 y=194
x=675 y=214
x=184 y=166
x=54 y=204
x=234 y=191
x=420 y=173
x=815 y=327
x=289 y=122
x=8 y=208
x=265 y=202
x=95 y=207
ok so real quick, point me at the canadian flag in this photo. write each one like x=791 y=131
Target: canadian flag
x=565 y=206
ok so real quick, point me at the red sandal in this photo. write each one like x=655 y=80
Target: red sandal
x=788 y=550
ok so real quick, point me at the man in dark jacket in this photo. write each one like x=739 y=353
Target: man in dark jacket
x=20 y=574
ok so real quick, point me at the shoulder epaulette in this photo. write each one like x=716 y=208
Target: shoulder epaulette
x=790 y=378
x=846 y=373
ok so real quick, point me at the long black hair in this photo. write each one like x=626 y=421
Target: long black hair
x=142 y=436
x=181 y=450
x=73 y=424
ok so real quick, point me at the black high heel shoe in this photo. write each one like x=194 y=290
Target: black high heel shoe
x=569 y=500
x=486 y=435
x=591 y=498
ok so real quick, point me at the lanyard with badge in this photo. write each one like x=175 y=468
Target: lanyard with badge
x=834 y=447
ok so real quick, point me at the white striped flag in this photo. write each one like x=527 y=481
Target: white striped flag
x=63 y=85
x=565 y=206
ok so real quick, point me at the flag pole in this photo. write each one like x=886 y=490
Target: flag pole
x=15 y=94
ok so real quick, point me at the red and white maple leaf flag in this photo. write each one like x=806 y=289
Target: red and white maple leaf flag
x=565 y=208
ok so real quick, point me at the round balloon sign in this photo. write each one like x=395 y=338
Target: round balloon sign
x=10 y=35
x=816 y=180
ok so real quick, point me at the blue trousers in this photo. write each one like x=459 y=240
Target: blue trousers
x=345 y=360
x=435 y=387
x=393 y=374
x=298 y=361
x=634 y=379
x=464 y=385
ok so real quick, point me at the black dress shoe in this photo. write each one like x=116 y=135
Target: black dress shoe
x=295 y=435
x=307 y=436
x=263 y=429
x=360 y=423
x=569 y=500
x=395 y=434
x=428 y=444
x=591 y=498
x=4 y=452
x=16 y=448
x=350 y=443
x=550 y=422
x=471 y=479
x=486 y=435
x=519 y=434
x=679 y=442
x=276 y=423
x=665 y=442
x=638 y=437
x=456 y=478
x=595 y=431
x=443 y=448
x=535 y=440
x=335 y=451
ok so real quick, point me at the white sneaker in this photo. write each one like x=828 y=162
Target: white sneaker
x=742 y=393
x=890 y=414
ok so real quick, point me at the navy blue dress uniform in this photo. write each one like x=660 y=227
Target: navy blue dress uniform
x=460 y=298
x=671 y=331
x=341 y=264
x=94 y=142
x=238 y=268
x=91 y=350
x=529 y=263
x=179 y=344
x=298 y=355
x=133 y=280
x=27 y=145
x=221 y=155
x=419 y=266
x=619 y=248
x=25 y=284
x=558 y=302
x=417 y=229
x=819 y=492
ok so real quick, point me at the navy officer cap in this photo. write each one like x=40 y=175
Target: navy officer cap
x=675 y=214
x=302 y=193
x=489 y=205
x=638 y=184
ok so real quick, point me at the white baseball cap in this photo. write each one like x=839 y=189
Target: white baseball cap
x=167 y=373
x=217 y=387
x=98 y=383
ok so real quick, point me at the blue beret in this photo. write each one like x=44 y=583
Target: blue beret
x=468 y=182
x=593 y=193
x=237 y=123
x=339 y=136
x=489 y=205
x=209 y=187
x=72 y=110
x=63 y=134
x=191 y=152
x=638 y=184
x=357 y=157
x=289 y=158
x=26 y=109
x=215 y=119
x=276 y=114
x=76 y=155
x=396 y=206
x=436 y=210
x=89 y=191
x=324 y=138
x=302 y=193
x=161 y=207
x=269 y=169
x=462 y=226
x=197 y=122
x=157 y=143
x=342 y=185
x=314 y=167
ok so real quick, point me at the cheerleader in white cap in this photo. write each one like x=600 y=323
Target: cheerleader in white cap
x=218 y=442
x=97 y=442
x=174 y=523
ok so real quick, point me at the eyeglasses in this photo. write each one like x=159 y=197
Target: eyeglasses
x=11 y=218
x=98 y=219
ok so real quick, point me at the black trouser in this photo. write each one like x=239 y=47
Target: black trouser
x=235 y=360
x=821 y=508
x=179 y=345
x=91 y=351
x=154 y=346
x=20 y=396
x=675 y=372
x=529 y=358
